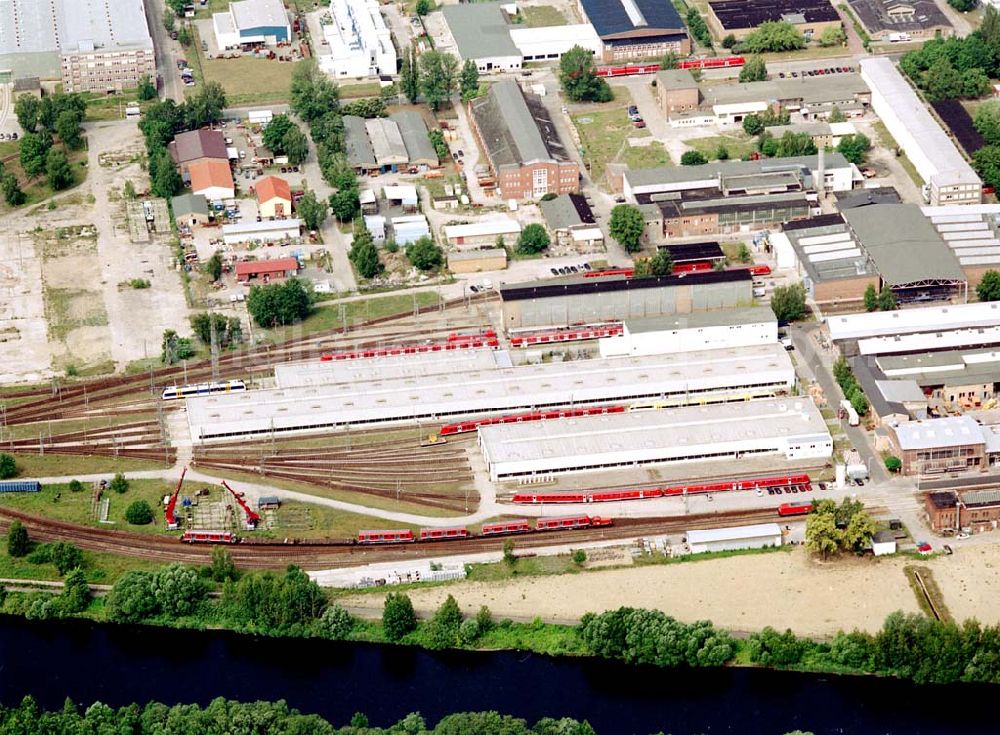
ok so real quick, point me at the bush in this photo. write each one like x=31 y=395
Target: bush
x=8 y=467
x=223 y=569
x=178 y=590
x=579 y=557
x=131 y=599
x=336 y=623
x=533 y=239
x=118 y=483
x=18 y=543
x=139 y=513
x=468 y=631
x=76 y=592
x=484 y=620
x=893 y=463
x=398 y=618
x=65 y=556
x=424 y=255
x=789 y=302
x=770 y=648
x=75 y=486
x=693 y=158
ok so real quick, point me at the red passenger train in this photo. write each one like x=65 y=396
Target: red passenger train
x=606 y=496
x=440 y=534
x=634 y=69
x=209 y=537
x=464 y=427
x=503 y=528
x=386 y=537
x=794 y=509
x=573 y=334
x=453 y=343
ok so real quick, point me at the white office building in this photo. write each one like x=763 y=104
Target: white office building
x=360 y=42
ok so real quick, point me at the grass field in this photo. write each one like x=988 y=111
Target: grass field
x=56 y=501
x=603 y=129
x=738 y=145
x=885 y=140
x=22 y=431
x=328 y=314
x=38 y=189
x=356 y=91
x=540 y=16
x=653 y=155
x=56 y=465
x=248 y=80
x=307 y=520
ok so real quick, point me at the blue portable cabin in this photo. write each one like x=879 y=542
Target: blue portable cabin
x=20 y=486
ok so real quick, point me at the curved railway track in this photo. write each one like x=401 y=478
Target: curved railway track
x=325 y=554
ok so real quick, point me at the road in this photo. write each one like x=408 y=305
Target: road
x=165 y=65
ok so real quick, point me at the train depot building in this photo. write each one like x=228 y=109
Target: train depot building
x=793 y=429
x=758 y=536
x=669 y=380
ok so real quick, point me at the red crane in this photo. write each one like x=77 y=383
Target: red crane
x=170 y=512
x=252 y=516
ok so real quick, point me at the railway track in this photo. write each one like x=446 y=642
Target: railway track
x=331 y=553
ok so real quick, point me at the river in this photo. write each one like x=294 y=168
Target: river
x=119 y=665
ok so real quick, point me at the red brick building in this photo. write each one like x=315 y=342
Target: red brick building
x=526 y=157
x=266 y=271
x=949 y=511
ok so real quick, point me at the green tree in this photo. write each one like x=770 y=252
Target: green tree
x=963 y=6
x=770 y=648
x=178 y=590
x=729 y=41
x=754 y=70
x=438 y=76
x=213 y=266
x=274 y=132
x=509 y=557
x=57 y=170
x=437 y=140
x=836 y=115
x=858 y=534
x=313 y=211
x=986 y=161
x=118 y=483
x=205 y=106
x=409 y=75
x=365 y=258
x=12 y=193
x=423 y=7
x=346 y=204
x=398 y=618
x=661 y=264
x=468 y=81
x=27 y=108
x=722 y=153
x=295 y=145
x=312 y=93
x=989 y=29
x=65 y=556
x=468 y=632
x=32 y=152
x=789 y=302
x=336 y=623
x=699 y=29
x=579 y=557
x=8 y=466
x=223 y=567
x=146 y=90
x=832 y=36
x=484 y=620
x=693 y=158
x=987 y=121
x=626 y=226
x=280 y=303
x=942 y=81
x=366 y=107
x=163 y=177
x=533 y=239
x=68 y=129
x=743 y=254
x=987 y=290
x=424 y=255
x=175 y=348
x=887 y=300
x=975 y=84
x=773 y=36
x=753 y=125
x=893 y=463
x=18 y=543
x=139 y=513
x=442 y=629
x=578 y=77
x=871 y=298
x=76 y=592
x=859 y=402
x=131 y=599
x=854 y=147
x=670 y=60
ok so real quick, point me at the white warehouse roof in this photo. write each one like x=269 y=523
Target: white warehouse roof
x=930 y=341
x=943 y=432
x=299 y=374
x=550 y=41
x=930 y=149
x=790 y=427
x=680 y=379
x=906 y=321
x=506 y=226
x=735 y=533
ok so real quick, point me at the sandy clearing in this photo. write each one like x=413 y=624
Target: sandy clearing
x=743 y=593
x=970 y=582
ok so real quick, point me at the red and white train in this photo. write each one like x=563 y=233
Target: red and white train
x=634 y=69
x=571 y=334
x=464 y=427
x=700 y=266
x=454 y=343
x=610 y=496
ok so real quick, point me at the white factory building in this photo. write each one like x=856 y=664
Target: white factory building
x=948 y=177
x=758 y=536
x=251 y=23
x=912 y=321
x=790 y=428
x=700 y=330
x=550 y=43
x=360 y=42
x=695 y=377
x=268 y=231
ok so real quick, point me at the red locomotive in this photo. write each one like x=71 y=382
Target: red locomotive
x=209 y=537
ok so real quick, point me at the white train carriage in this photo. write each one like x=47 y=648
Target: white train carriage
x=202 y=389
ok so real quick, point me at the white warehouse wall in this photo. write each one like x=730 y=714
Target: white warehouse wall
x=664 y=342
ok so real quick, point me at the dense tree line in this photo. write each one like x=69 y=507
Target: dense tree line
x=280 y=303
x=949 y=68
x=54 y=115
x=849 y=384
x=274 y=718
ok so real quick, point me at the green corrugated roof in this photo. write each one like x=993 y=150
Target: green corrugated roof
x=480 y=30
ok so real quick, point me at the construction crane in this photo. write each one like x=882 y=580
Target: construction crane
x=252 y=517
x=171 y=509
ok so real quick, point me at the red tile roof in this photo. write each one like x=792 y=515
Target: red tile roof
x=195 y=144
x=273 y=187
x=208 y=174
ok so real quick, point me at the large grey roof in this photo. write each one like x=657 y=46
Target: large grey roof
x=833 y=88
x=560 y=213
x=480 y=30
x=890 y=15
x=414 y=131
x=680 y=174
x=675 y=79
x=513 y=131
x=358 y=147
x=189 y=204
x=32 y=26
x=697 y=319
x=903 y=244
x=386 y=140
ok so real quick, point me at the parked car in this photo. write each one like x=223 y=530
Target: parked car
x=639 y=123
x=924 y=548
x=962 y=535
